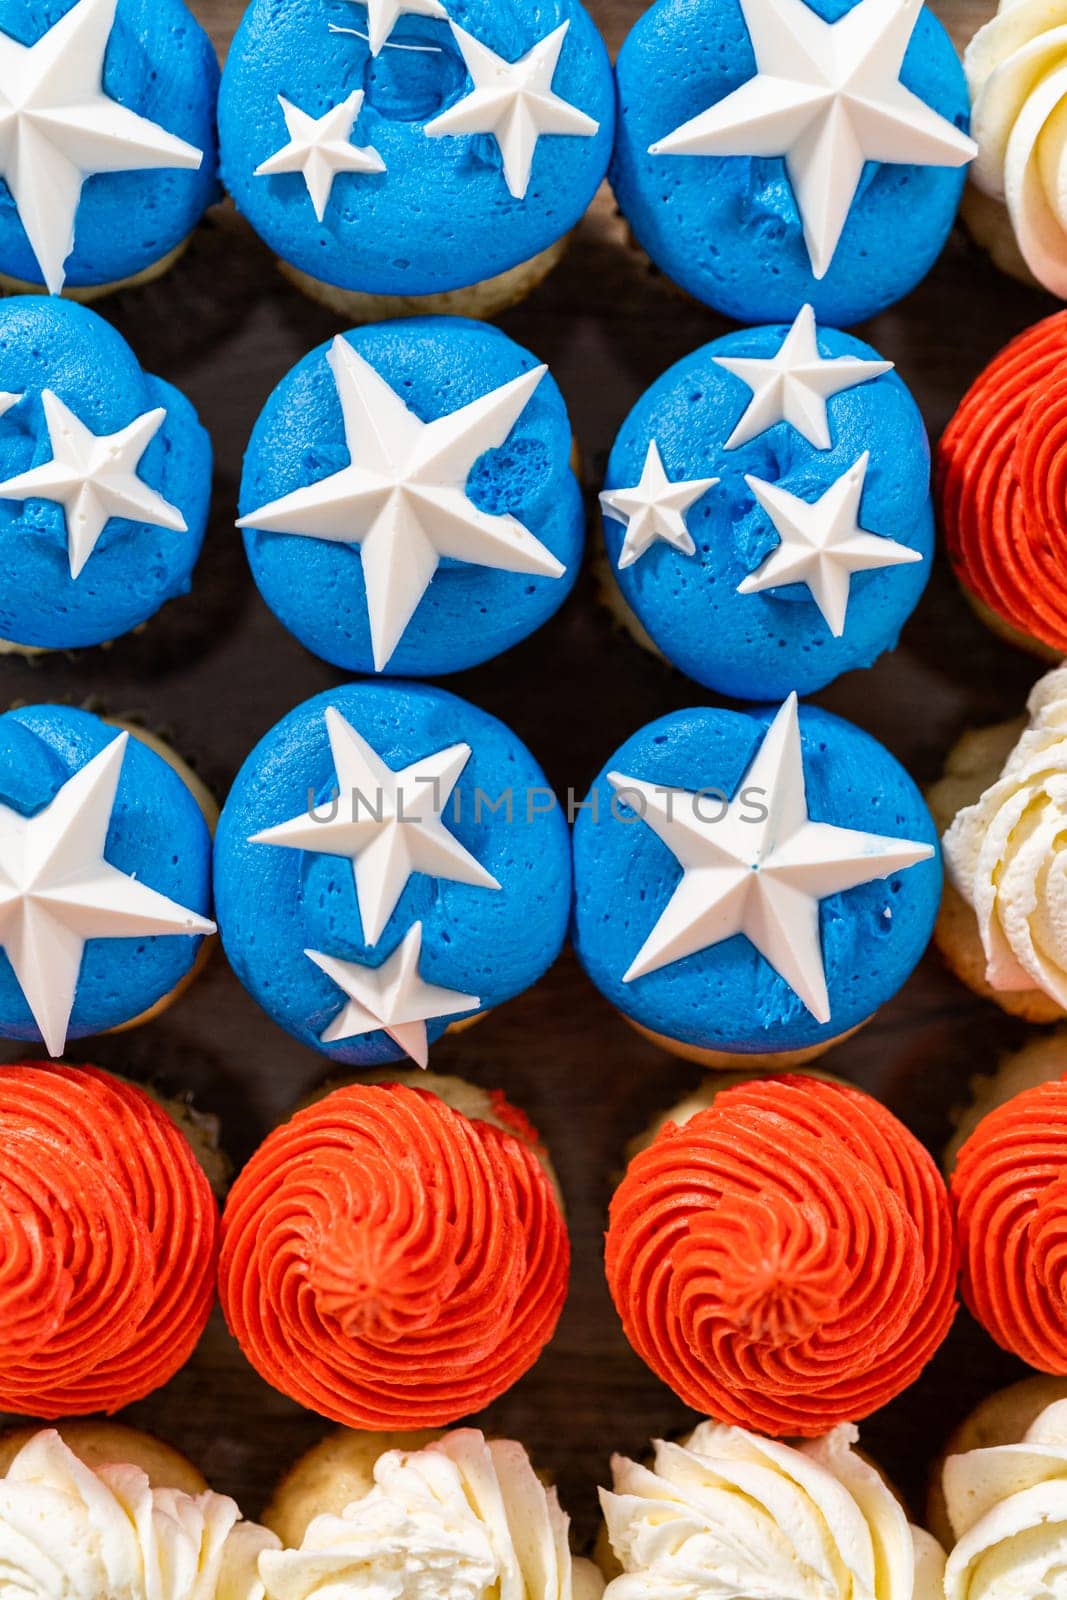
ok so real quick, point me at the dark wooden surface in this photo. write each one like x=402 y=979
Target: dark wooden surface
x=215 y=671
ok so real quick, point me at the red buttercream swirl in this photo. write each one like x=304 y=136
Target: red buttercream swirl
x=391 y=1263
x=108 y=1242
x=785 y=1260
x=1002 y=484
x=1009 y=1189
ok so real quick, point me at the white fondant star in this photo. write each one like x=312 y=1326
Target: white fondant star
x=57 y=891
x=764 y=878
x=93 y=476
x=320 y=147
x=794 y=385
x=827 y=98
x=403 y=499
x=58 y=126
x=513 y=101
x=383 y=15
x=654 y=509
x=7 y=400
x=391 y=997
x=822 y=544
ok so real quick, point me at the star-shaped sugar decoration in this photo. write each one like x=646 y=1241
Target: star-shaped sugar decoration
x=514 y=101
x=821 y=543
x=383 y=16
x=7 y=400
x=654 y=509
x=320 y=148
x=392 y=997
x=794 y=385
x=761 y=879
x=59 y=126
x=388 y=823
x=402 y=499
x=827 y=98
x=57 y=890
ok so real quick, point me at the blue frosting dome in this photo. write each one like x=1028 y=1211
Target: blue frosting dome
x=51 y=347
x=468 y=613
x=277 y=902
x=440 y=215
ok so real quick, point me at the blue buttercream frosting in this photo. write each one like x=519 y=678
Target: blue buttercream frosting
x=761 y=646
x=727 y=228
x=440 y=216
x=157 y=835
x=57 y=345
x=274 y=903
x=726 y=997
x=469 y=613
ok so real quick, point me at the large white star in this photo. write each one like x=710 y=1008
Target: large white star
x=58 y=127
x=93 y=476
x=57 y=891
x=763 y=879
x=513 y=101
x=388 y=823
x=320 y=147
x=827 y=98
x=392 y=997
x=382 y=17
x=654 y=509
x=822 y=544
x=794 y=385
x=403 y=499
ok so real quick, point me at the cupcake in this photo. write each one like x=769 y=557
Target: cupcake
x=768 y=514
x=109 y=141
x=734 y=1262
x=105 y=481
x=408 y=499
x=809 y=152
x=390 y=861
x=110 y=1242
x=391 y=1262
x=751 y=886
x=401 y=157
x=1043 y=1059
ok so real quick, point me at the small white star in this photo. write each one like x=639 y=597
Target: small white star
x=513 y=101
x=94 y=478
x=761 y=879
x=794 y=385
x=320 y=147
x=827 y=99
x=654 y=509
x=392 y=997
x=383 y=15
x=822 y=544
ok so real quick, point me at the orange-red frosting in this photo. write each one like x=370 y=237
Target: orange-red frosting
x=785 y=1260
x=391 y=1263
x=1002 y=484
x=108 y=1242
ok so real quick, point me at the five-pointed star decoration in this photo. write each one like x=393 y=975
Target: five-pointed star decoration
x=383 y=15
x=822 y=544
x=7 y=400
x=59 y=126
x=794 y=385
x=827 y=98
x=93 y=476
x=392 y=997
x=320 y=148
x=654 y=509
x=761 y=879
x=389 y=823
x=513 y=101
x=57 y=891
x=403 y=499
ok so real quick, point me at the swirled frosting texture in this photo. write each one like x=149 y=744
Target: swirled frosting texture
x=390 y=1263
x=109 y=1243
x=785 y=1261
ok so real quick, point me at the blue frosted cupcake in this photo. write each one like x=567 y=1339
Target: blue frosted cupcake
x=408 y=500
x=105 y=481
x=400 y=156
x=108 y=151
x=767 y=514
x=390 y=861
x=751 y=887
x=105 y=875
x=811 y=151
